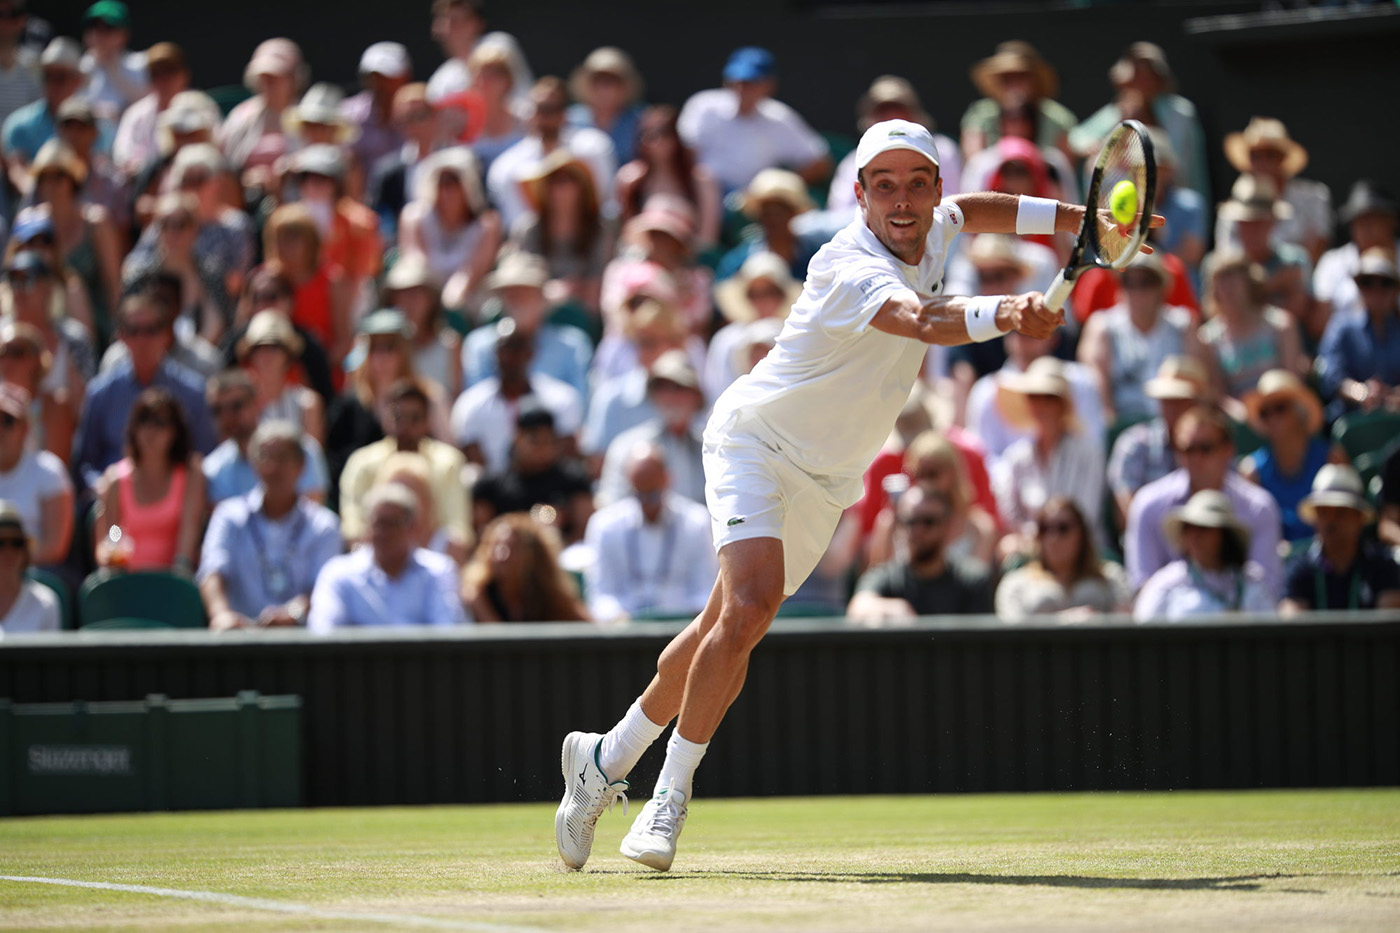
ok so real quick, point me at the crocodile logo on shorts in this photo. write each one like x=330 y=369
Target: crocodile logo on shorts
x=738 y=520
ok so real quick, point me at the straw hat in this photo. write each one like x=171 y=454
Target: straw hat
x=606 y=60
x=1335 y=485
x=1280 y=383
x=519 y=269
x=56 y=156
x=1208 y=508
x=535 y=184
x=1010 y=57
x=663 y=213
x=889 y=89
x=411 y=271
x=732 y=295
x=1044 y=376
x=320 y=159
x=278 y=56
x=269 y=329
x=189 y=112
x=1152 y=262
x=386 y=322
x=1253 y=197
x=321 y=105
x=1378 y=261
x=1367 y=198
x=777 y=184
x=1179 y=378
x=459 y=161
x=996 y=250
x=1265 y=133
x=674 y=366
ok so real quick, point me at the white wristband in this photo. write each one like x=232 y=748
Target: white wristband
x=981 y=318
x=1036 y=215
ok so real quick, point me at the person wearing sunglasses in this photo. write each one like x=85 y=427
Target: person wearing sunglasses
x=34 y=481
x=1205 y=450
x=1358 y=362
x=25 y=606
x=1065 y=577
x=1287 y=414
x=155 y=495
x=926 y=579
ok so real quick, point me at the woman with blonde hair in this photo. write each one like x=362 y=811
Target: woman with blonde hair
x=515 y=575
x=321 y=303
x=932 y=462
x=1244 y=335
x=494 y=68
x=413 y=472
x=451 y=225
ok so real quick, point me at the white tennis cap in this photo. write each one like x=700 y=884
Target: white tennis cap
x=895 y=134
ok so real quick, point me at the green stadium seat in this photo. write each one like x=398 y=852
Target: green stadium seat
x=60 y=589
x=125 y=624
x=228 y=96
x=1366 y=433
x=166 y=598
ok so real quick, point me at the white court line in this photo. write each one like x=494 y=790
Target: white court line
x=284 y=907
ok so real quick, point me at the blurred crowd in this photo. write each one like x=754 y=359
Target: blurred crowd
x=436 y=352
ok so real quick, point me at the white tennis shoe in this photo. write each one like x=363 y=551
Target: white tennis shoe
x=587 y=793
x=652 y=840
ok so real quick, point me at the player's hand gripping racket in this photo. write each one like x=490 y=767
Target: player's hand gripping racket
x=1103 y=240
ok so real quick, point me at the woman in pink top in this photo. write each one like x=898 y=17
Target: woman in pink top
x=154 y=497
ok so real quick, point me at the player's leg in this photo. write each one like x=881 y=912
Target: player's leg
x=751 y=571
x=595 y=766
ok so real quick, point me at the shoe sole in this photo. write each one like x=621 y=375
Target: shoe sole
x=654 y=860
x=560 y=830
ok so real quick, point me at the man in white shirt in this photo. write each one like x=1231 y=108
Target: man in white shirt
x=1371 y=218
x=387 y=581
x=787 y=447
x=549 y=132
x=652 y=548
x=739 y=130
x=116 y=78
x=673 y=388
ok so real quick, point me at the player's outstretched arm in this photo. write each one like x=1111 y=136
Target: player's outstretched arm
x=990 y=212
x=954 y=320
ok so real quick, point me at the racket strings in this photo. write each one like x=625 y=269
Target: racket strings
x=1122 y=159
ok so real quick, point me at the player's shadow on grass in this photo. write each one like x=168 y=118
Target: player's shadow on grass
x=1231 y=883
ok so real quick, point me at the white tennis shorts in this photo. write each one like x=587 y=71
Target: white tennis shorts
x=754 y=491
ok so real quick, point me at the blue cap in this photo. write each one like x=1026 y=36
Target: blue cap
x=26 y=228
x=750 y=63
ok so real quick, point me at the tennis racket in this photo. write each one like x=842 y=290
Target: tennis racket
x=1126 y=156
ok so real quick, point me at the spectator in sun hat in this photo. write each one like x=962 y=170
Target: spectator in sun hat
x=25 y=606
x=384 y=68
x=1144 y=453
x=19 y=64
x=1265 y=149
x=566 y=228
x=29 y=127
x=762 y=289
x=1254 y=212
x=116 y=77
x=192 y=118
x=1370 y=214
x=136 y=144
x=437 y=347
x=459 y=26
x=1342 y=568
x=547 y=132
x=317 y=119
x=773 y=200
x=891 y=98
x=1286 y=413
x=1358 y=363
x=739 y=130
x=560 y=350
x=349 y=230
x=451 y=224
x=276 y=74
x=661 y=236
x=608 y=91
x=673 y=388
x=1214 y=574
x=268 y=351
x=105 y=185
x=1144 y=85
x=1015 y=72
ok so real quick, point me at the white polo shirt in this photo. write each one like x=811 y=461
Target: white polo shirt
x=828 y=393
x=736 y=148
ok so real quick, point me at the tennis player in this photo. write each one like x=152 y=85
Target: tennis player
x=785 y=451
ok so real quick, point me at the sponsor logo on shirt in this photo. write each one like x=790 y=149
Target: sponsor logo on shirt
x=737 y=520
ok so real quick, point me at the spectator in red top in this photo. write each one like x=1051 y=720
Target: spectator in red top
x=349 y=230
x=292 y=243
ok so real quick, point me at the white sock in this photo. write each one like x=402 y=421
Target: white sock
x=682 y=758
x=624 y=744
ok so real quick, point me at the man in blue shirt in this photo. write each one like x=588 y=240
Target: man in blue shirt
x=34 y=124
x=387 y=581
x=228 y=470
x=144 y=324
x=1359 y=358
x=263 y=550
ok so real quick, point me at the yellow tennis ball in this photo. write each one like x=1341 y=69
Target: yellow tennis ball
x=1123 y=202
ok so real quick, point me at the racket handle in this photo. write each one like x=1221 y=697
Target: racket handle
x=1058 y=292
